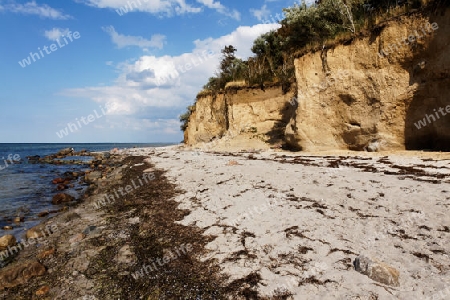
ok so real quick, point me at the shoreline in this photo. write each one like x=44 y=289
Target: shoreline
x=100 y=251
x=264 y=224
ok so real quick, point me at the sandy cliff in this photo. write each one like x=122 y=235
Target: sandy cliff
x=381 y=91
x=252 y=111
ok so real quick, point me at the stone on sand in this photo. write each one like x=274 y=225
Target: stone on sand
x=377 y=271
x=20 y=273
x=7 y=240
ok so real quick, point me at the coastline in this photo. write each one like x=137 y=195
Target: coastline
x=106 y=252
x=262 y=224
x=325 y=210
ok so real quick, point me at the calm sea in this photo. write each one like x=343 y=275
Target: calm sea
x=26 y=189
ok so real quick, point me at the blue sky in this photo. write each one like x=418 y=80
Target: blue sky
x=115 y=74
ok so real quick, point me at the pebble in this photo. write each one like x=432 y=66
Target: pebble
x=7 y=240
x=90 y=229
x=43 y=290
x=18 y=219
x=76 y=238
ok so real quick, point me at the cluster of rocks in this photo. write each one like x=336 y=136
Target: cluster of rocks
x=98 y=170
x=21 y=272
x=59 y=157
x=99 y=167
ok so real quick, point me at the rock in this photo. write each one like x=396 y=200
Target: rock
x=33 y=158
x=8 y=228
x=46 y=253
x=90 y=229
x=43 y=290
x=377 y=271
x=41 y=231
x=20 y=273
x=62 y=198
x=18 y=219
x=61 y=187
x=134 y=221
x=33 y=233
x=65 y=151
x=233 y=163
x=43 y=214
x=7 y=240
x=57 y=180
x=76 y=238
x=149 y=170
x=70 y=217
x=92 y=176
x=126 y=255
x=373 y=146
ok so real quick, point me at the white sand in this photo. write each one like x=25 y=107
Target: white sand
x=311 y=221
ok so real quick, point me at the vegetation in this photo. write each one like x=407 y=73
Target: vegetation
x=304 y=28
x=184 y=118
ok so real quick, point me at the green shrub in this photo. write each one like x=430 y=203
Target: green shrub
x=184 y=118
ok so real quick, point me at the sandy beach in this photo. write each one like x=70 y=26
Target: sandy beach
x=248 y=225
x=297 y=222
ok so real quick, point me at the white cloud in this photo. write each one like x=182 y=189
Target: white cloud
x=164 y=85
x=242 y=39
x=262 y=13
x=166 y=7
x=56 y=33
x=32 y=8
x=221 y=9
x=121 y=41
x=167 y=126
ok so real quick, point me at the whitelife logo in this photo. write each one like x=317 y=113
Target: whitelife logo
x=11 y=158
x=86 y=120
x=53 y=47
x=129 y=7
x=431 y=118
x=50 y=229
x=109 y=199
x=195 y=62
x=147 y=269
x=412 y=38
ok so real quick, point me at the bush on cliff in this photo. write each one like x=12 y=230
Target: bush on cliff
x=184 y=118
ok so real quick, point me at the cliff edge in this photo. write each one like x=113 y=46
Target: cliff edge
x=387 y=90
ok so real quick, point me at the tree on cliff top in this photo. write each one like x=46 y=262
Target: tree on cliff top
x=305 y=25
x=231 y=67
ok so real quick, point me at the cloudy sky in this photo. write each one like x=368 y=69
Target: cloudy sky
x=115 y=70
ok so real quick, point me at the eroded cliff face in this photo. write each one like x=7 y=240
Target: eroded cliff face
x=264 y=113
x=209 y=120
x=374 y=101
x=350 y=97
